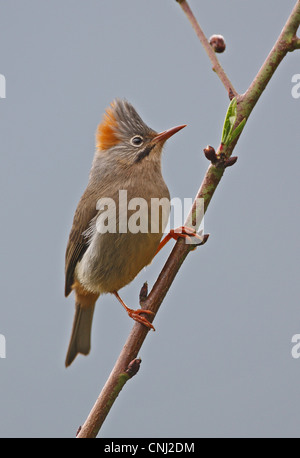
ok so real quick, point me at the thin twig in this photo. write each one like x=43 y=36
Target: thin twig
x=286 y=42
x=216 y=66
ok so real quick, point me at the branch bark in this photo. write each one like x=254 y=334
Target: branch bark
x=287 y=41
x=216 y=66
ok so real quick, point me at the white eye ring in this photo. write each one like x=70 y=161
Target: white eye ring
x=137 y=140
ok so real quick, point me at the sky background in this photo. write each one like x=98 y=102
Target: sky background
x=219 y=363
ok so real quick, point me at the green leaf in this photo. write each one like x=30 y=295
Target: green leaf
x=228 y=134
x=237 y=130
x=229 y=121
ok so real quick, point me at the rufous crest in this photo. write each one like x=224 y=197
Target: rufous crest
x=106 y=136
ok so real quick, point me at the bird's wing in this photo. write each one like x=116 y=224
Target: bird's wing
x=78 y=242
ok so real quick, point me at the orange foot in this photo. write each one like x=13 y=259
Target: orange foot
x=136 y=314
x=181 y=232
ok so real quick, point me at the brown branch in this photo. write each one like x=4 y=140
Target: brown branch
x=286 y=42
x=216 y=66
x=134 y=342
x=108 y=396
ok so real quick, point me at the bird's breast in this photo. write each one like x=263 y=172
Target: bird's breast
x=124 y=236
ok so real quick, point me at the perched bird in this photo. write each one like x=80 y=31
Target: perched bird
x=127 y=158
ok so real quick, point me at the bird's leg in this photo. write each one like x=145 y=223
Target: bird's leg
x=136 y=314
x=181 y=232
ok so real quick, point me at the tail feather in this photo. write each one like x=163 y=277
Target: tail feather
x=80 y=341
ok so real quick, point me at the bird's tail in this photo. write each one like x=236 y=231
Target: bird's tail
x=80 y=341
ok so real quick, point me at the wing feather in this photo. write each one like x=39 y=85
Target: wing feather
x=78 y=242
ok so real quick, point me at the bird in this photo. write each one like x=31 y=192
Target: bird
x=97 y=261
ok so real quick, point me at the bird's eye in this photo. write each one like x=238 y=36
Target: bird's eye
x=136 y=140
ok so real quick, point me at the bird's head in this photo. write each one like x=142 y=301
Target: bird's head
x=123 y=132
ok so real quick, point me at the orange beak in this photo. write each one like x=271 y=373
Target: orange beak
x=163 y=136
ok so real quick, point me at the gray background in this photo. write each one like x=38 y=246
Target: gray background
x=219 y=363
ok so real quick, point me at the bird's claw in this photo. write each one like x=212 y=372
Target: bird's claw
x=136 y=315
